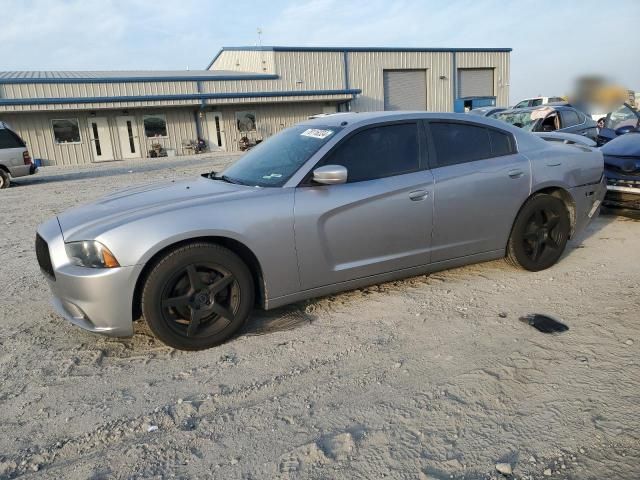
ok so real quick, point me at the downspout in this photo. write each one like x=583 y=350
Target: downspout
x=454 y=76
x=345 y=62
x=197 y=112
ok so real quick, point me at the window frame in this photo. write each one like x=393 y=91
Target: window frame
x=423 y=164
x=53 y=132
x=433 y=154
x=166 y=124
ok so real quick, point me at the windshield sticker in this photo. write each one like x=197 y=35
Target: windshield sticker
x=316 y=133
x=272 y=175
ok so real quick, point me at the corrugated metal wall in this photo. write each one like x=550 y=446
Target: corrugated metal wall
x=311 y=70
x=499 y=61
x=36 y=130
x=365 y=72
x=245 y=61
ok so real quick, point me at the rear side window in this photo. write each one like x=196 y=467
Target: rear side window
x=569 y=118
x=8 y=139
x=461 y=143
x=501 y=143
x=378 y=152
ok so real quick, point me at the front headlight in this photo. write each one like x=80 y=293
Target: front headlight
x=90 y=254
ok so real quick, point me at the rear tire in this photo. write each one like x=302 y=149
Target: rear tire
x=5 y=180
x=197 y=296
x=539 y=234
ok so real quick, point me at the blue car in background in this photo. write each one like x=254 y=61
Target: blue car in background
x=622 y=169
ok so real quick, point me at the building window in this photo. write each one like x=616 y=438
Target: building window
x=155 y=125
x=246 y=121
x=66 y=130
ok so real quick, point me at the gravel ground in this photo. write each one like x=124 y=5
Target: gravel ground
x=433 y=377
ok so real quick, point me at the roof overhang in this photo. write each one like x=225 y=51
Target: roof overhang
x=175 y=97
x=130 y=79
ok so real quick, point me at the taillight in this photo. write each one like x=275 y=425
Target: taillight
x=26 y=157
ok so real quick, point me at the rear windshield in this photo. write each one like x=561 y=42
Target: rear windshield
x=274 y=161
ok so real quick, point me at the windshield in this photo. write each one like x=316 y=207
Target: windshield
x=272 y=162
x=523 y=120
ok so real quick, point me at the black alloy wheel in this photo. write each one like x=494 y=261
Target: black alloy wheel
x=540 y=233
x=197 y=296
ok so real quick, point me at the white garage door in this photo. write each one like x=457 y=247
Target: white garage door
x=475 y=82
x=405 y=89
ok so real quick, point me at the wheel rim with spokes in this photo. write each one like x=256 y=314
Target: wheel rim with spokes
x=200 y=300
x=543 y=235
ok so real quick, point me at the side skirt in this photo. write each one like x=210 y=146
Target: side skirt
x=272 y=303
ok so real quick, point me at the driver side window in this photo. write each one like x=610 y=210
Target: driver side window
x=378 y=152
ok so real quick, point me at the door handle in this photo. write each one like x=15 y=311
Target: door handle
x=554 y=164
x=418 y=195
x=516 y=173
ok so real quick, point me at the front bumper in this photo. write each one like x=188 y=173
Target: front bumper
x=96 y=299
x=623 y=194
x=588 y=199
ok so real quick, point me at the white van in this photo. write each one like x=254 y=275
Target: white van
x=15 y=160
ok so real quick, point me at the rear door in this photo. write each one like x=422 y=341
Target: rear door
x=377 y=222
x=480 y=183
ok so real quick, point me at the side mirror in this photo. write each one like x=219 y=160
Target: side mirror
x=330 y=175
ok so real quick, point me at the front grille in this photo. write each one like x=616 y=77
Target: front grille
x=44 y=260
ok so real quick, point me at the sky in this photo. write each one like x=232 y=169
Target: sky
x=553 y=42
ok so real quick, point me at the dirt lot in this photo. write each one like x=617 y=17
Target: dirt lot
x=429 y=378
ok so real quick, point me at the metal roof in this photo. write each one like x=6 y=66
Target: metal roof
x=115 y=76
x=281 y=48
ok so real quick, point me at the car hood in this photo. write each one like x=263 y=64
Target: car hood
x=83 y=222
x=627 y=145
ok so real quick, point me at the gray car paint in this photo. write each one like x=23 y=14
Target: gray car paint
x=315 y=240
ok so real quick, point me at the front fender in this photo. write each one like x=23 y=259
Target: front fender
x=265 y=227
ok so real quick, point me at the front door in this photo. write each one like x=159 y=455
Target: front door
x=128 y=135
x=377 y=222
x=100 y=139
x=480 y=184
x=215 y=131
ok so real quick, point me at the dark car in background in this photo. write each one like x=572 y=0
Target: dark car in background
x=622 y=169
x=618 y=122
x=550 y=118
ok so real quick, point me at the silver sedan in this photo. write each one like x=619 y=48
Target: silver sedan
x=330 y=204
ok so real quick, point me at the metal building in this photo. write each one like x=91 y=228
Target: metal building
x=70 y=118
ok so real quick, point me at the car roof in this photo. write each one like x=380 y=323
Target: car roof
x=355 y=120
x=363 y=118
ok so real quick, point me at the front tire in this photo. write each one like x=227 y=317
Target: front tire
x=540 y=233
x=5 y=180
x=197 y=296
